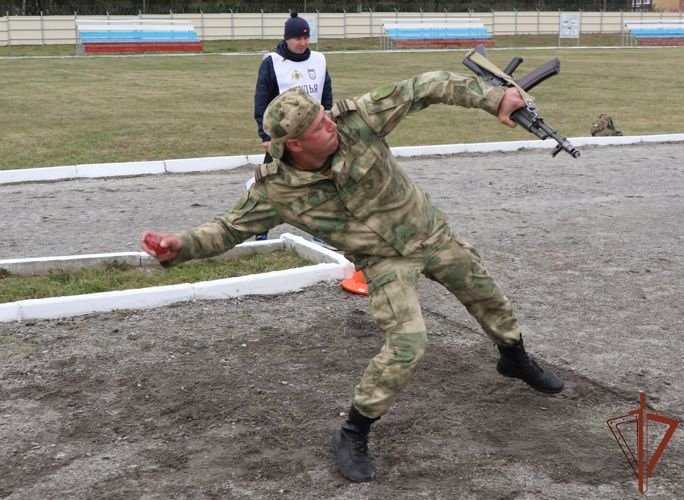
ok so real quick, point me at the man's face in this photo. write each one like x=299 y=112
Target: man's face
x=298 y=44
x=320 y=138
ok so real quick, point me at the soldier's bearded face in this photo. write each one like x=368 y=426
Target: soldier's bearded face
x=320 y=139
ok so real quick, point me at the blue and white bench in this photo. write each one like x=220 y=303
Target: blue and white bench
x=438 y=34
x=135 y=36
x=656 y=32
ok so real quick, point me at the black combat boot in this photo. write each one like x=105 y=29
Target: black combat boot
x=350 y=446
x=514 y=362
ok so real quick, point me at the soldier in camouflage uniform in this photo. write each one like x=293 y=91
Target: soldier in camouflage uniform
x=335 y=177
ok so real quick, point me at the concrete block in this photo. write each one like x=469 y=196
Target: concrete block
x=313 y=251
x=442 y=149
x=332 y=266
x=37 y=174
x=605 y=141
x=9 y=311
x=256 y=159
x=205 y=164
x=120 y=169
x=75 y=305
x=252 y=247
x=42 y=265
x=271 y=283
x=663 y=138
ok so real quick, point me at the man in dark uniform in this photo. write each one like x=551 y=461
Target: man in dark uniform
x=292 y=64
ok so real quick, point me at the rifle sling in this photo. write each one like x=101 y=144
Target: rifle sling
x=488 y=65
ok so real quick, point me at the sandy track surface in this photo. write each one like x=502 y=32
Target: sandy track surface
x=237 y=398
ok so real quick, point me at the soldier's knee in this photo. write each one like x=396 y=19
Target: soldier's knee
x=409 y=349
x=408 y=357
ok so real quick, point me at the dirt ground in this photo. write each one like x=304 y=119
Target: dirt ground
x=238 y=398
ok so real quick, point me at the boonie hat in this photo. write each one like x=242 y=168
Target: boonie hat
x=288 y=116
x=296 y=26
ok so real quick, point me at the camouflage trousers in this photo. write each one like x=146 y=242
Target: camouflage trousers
x=394 y=305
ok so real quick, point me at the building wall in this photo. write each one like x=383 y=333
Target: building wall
x=668 y=5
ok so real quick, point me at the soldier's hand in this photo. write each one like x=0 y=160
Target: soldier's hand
x=161 y=246
x=511 y=101
x=267 y=145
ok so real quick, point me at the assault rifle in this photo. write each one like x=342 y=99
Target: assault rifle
x=528 y=117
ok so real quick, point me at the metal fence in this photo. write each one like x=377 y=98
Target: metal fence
x=47 y=30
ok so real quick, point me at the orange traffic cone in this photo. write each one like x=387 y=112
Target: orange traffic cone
x=356 y=284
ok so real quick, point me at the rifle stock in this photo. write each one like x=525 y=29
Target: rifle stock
x=527 y=117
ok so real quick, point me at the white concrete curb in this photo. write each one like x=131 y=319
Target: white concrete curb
x=205 y=164
x=229 y=162
x=331 y=266
x=491 y=147
x=41 y=265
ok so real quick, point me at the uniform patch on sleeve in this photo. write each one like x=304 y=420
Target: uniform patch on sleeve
x=382 y=91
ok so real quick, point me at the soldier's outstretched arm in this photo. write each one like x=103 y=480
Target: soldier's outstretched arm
x=384 y=107
x=252 y=214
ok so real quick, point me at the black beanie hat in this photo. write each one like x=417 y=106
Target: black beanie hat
x=296 y=26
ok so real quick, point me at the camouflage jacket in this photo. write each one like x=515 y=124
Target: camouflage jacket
x=360 y=201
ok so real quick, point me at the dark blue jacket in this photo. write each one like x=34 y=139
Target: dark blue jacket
x=267 y=86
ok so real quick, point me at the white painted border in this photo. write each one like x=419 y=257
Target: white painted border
x=205 y=164
x=41 y=265
x=267 y=283
x=230 y=162
x=120 y=169
x=331 y=266
x=37 y=174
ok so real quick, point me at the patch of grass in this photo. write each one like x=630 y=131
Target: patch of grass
x=11 y=345
x=65 y=111
x=119 y=276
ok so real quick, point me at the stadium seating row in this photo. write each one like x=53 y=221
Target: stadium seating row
x=136 y=36
x=656 y=32
x=438 y=33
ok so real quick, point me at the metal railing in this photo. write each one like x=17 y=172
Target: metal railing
x=46 y=30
